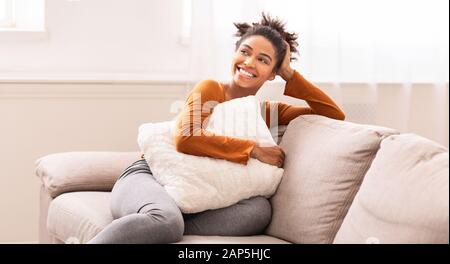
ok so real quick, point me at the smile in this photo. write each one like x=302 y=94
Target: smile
x=245 y=73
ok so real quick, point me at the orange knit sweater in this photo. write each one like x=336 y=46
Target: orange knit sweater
x=191 y=138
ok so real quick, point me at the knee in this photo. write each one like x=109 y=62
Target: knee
x=175 y=225
x=170 y=223
x=259 y=211
x=263 y=209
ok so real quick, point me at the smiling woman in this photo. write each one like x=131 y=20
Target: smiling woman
x=262 y=52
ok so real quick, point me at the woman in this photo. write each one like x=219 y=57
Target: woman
x=145 y=213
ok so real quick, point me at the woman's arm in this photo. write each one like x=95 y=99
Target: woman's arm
x=191 y=138
x=297 y=86
x=319 y=102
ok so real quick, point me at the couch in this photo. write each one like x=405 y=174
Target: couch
x=343 y=183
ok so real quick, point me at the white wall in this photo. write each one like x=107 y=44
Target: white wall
x=100 y=39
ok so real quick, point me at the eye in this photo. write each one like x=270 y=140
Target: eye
x=263 y=60
x=244 y=52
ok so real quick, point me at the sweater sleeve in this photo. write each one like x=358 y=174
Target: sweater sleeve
x=191 y=138
x=319 y=102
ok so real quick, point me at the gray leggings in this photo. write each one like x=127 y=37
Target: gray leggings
x=145 y=213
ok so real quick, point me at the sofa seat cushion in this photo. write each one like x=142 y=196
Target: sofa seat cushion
x=77 y=217
x=404 y=196
x=261 y=239
x=325 y=163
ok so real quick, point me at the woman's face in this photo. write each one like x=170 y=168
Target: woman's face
x=253 y=62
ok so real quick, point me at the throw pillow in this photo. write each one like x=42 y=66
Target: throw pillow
x=202 y=183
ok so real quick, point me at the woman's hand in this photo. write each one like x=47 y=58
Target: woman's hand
x=270 y=155
x=285 y=70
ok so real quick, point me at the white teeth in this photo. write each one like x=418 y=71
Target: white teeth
x=246 y=73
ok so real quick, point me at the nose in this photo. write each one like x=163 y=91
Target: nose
x=249 y=61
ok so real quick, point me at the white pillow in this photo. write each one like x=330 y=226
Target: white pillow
x=200 y=183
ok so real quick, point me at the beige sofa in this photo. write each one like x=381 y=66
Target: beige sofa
x=343 y=183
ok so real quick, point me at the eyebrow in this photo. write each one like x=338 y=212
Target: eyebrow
x=263 y=54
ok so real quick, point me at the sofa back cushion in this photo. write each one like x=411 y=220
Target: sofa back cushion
x=404 y=196
x=326 y=160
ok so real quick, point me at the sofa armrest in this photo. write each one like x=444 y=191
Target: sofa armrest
x=82 y=171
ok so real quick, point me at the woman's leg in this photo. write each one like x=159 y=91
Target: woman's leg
x=247 y=217
x=143 y=211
